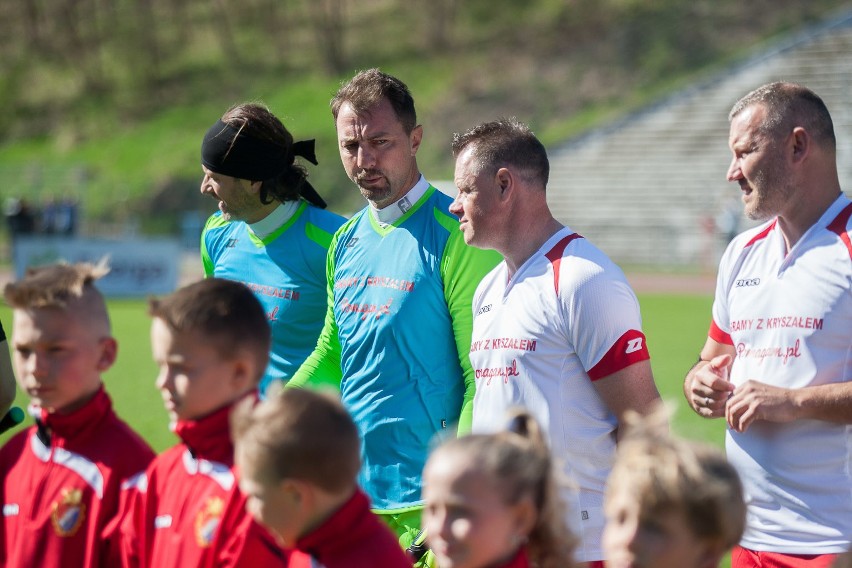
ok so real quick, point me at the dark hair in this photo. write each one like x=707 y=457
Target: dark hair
x=367 y=89
x=225 y=312
x=258 y=122
x=298 y=434
x=506 y=142
x=788 y=106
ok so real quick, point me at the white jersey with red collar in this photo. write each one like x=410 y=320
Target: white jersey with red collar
x=566 y=318
x=789 y=317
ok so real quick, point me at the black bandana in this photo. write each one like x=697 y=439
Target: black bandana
x=227 y=151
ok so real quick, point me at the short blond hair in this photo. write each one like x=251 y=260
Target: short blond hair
x=54 y=285
x=666 y=473
x=62 y=286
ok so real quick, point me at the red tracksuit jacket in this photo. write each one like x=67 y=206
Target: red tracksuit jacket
x=351 y=538
x=60 y=482
x=187 y=510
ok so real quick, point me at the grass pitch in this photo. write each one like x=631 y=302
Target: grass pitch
x=676 y=327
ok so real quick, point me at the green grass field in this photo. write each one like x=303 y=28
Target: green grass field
x=675 y=326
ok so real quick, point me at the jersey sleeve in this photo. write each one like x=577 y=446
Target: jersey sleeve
x=602 y=317
x=462 y=269
x=322 y=367
x=131 y=521
x=206 y=258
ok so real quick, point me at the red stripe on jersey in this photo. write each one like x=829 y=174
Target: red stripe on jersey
x=716 y=334
x=628 y=349
x=762 y=234
x=839 y=226
x=554 y=255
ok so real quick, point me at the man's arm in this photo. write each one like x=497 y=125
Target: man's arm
x=322 y=367
x=631 y=388
x=754 y=400
x=462 y=269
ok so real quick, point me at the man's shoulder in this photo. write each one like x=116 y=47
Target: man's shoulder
x=324 y=218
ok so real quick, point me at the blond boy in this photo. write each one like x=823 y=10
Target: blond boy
x=210 y=341
x=60 y=479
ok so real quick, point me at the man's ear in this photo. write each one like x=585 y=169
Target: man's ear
x=801 y=142
x=415 y=138
x=505 y=181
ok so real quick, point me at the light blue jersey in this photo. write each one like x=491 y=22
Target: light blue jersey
x=285 y=270
x=396 y=339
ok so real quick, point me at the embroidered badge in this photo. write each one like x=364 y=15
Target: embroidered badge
x=207 y=521
x=68 y=512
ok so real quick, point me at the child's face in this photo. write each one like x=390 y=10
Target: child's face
x=58 y=357
x=468 y=523
x=193 y=379
x=274 y=505
x=632 y=539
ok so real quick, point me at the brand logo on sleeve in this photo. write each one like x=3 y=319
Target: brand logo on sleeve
x=633 y=345
x=11 y=510
x=162 y=521
x=484 y=309
x=68 y=512
x=231 y=243
x=351 y=242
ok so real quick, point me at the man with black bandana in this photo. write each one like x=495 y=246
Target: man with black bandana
x=271 y=231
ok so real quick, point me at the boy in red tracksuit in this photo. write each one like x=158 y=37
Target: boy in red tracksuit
x=298 y=454
x=211 y=342
x=60 y=479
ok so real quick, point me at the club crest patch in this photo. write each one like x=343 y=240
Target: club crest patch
x=68 y=512
x=207 y=521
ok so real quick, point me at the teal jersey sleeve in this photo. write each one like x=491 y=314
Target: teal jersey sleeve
x=322 y=367
x=213 y=222
x=462 y=268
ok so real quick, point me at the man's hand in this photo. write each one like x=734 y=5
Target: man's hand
x=754 y=400
x=708 y=388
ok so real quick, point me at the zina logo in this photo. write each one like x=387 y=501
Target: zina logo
x=483 y=309
x=633 y=345
x=748 y=282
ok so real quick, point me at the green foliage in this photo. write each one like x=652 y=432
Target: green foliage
x=116 y=95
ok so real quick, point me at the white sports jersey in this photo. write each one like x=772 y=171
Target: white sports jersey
x=789 y=317
x=565 y=319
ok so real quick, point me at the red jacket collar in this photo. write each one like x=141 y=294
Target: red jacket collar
x=209 y=438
